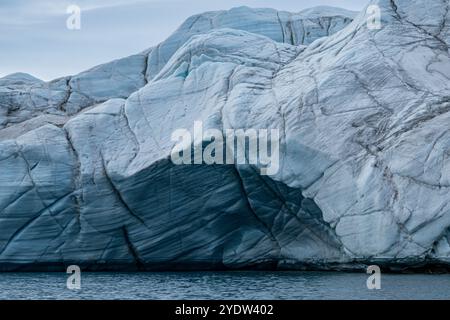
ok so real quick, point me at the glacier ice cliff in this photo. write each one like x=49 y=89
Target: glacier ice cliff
x=86 y=175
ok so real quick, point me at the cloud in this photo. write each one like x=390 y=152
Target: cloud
x=27 y=12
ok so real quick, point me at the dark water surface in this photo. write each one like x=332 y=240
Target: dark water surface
x=223 y=285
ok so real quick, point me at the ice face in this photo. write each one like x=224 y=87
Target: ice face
x=364 y=164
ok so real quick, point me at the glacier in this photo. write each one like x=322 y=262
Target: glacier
x=86 y=176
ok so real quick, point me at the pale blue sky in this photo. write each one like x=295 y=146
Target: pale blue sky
x=34 y=37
